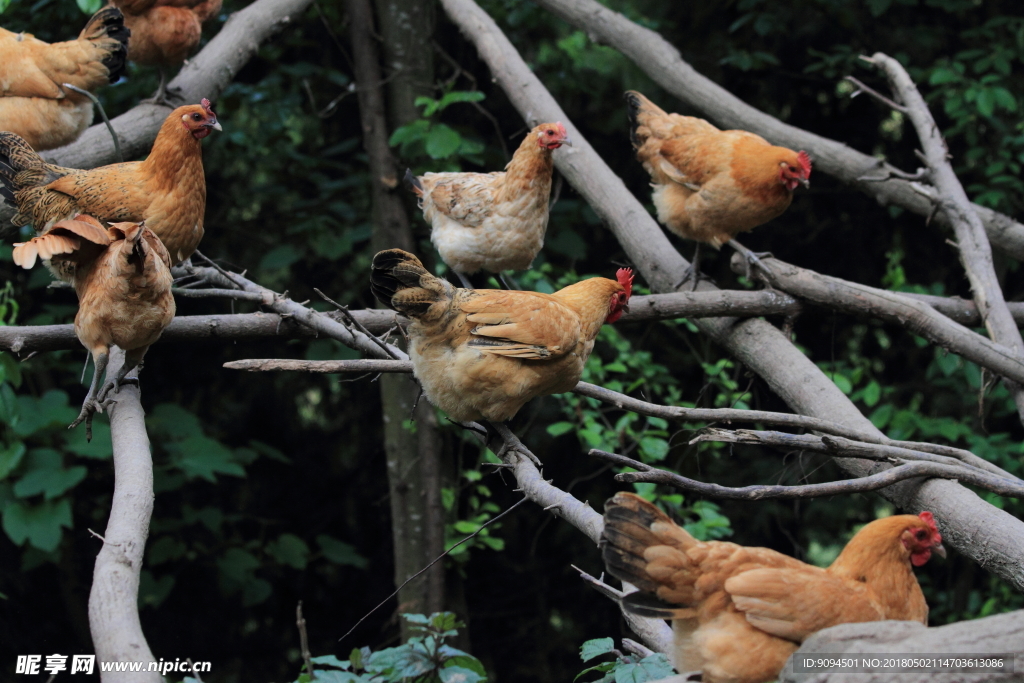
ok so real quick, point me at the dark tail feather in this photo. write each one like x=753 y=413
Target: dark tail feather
x=414 y=183
x=634 y=103
x=109 y=23
x=16 y=155
x=394 y=270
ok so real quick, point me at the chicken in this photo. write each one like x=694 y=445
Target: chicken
x=483 y=353
x=34 y=100
x=709 y=184
x=167 y=190
x=122 y=276
x=494 y=221
x=738 y=613
x=165 y=32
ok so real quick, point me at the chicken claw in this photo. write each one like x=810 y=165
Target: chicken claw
x=512 y=443
x=753 y=260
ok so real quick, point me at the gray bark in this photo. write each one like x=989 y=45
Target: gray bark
x=114 y=599
x=1002 y=634
x=991 y=537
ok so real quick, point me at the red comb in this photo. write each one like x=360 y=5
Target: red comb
x=207 y=107
x=561 y=128
x=930 y=519
x=805 y=162
x=625 y=278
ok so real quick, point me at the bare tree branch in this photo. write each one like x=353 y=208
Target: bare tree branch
x=975 y=252
x=660 y=60
x=871 y=482
x=656 y=637
x=114 y=598
x=319 y=366
x=998 y=636
x=913 y=314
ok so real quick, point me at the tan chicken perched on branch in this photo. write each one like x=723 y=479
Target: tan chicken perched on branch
x=483 y=353
x=167 y=190
x=122 y=276
x=709 y=184
x=738 y=613
x=495 y=221
x=35 y=100
x=165 y=33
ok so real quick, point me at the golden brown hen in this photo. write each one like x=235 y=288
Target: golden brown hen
x=709 y=184
x=483 y=353
x=167 y=190
x=738 y=613
x=495 y=221
x=165 y=33
x=34 y=100
x=122 y=276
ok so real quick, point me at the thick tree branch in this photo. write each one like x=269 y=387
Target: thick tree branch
x=913 y=314
x=990 y=536
x=660 y=60
x=999 y=635
x=114 y=598
x=871 y=482
x=975 y=252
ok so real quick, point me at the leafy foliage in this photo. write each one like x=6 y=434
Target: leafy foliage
x=629 y=668
x=424 y=658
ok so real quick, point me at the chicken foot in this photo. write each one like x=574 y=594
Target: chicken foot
x=163 y=94
x=753 y=260
x=91 y=405
x=512 y=443
x=694 y=271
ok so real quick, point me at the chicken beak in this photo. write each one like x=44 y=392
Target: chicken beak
x=805 y=182
x=215 y=125
x=939 y=550
x=567 y=142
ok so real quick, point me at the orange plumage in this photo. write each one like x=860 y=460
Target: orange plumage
x=482 y=353
x=167 y=190
x=34 y=102
x=495 y=221
x=709 y=184
x=738 y=613
x=165 y=32
x=122 y=275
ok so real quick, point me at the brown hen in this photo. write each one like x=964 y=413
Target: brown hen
x=167 y=190
x=483 y=353
x=165 y=33
x=34 y=100
x=122 y=275
x=709 y=184
x=738 y=613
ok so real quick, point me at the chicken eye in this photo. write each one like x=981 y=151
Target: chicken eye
x=550 y=132
x=921 y=534
x=197 y=117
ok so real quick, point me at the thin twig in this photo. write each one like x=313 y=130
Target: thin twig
x=861 y=87
x=188 y=293
x=110 y=127
x=307 y=656
x=230 y=276
x=437 y=559
x=355 y=323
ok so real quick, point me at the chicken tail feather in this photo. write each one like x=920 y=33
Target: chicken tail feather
x=639 y=109
x=648 y=605
x=106 y=28
x=414 y=183
x=400 y=282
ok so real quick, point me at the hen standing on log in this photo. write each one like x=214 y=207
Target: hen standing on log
x=34 y=102
x=495 y=221
x=167 y=190
x=709 y=184
x=165 y=33
x=483 y=353
x=122 y=275
x=738 y=613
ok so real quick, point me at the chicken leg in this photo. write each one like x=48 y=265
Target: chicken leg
x=753 y=259
x=512 y=443
x=91 y=404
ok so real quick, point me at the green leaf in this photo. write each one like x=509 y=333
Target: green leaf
x=442 y=142
x=340 y=552
x=237 y=564
x=153 y=591
x=89 y=6
x=872 y=392
x=255 y=592
x=843 y=382
x=654 y=448
x=596 y=648
x=39 y=524
x=46 y=474
x=458 y=674
x=560 y=428
x=10 y=457
x=460 y=96
x=165 y=549
x=100 y=448
x=331 y=660
x=200 y=456
x=49 y=410
x=289 y=550
x=986 y=102
x=280 y=257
